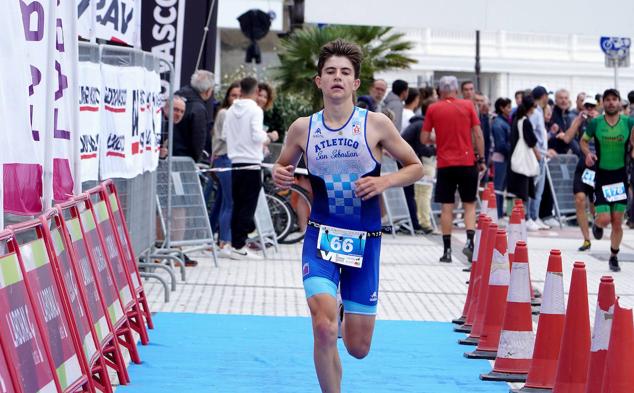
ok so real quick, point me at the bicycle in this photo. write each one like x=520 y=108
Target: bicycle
x=283 y=205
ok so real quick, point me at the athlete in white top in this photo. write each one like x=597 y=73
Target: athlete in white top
x=343 y=146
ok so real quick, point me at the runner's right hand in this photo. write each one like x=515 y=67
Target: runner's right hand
x=283 y=176
x=591 y=159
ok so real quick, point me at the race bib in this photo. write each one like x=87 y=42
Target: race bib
x=588 y=177
x=614 y=192
x=341 y=246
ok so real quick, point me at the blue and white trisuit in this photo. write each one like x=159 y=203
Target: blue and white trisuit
x=344 y=231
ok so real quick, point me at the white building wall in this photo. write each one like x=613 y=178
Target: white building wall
x=513 y=61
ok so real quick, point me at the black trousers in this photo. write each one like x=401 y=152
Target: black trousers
x=411 y=206
x=246 y=185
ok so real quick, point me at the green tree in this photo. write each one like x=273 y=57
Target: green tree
x=382 y=48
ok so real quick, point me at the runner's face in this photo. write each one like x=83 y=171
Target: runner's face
x=337 y=78
x=611 y=105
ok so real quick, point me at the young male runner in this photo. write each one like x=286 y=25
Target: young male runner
x=612 y=134
x=343 y=145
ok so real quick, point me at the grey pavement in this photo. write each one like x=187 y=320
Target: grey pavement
x=413 y=286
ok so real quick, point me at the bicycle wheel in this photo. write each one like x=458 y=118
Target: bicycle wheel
x=295 y=197
x=281 y=214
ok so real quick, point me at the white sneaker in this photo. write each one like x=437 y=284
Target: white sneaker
x=552 y=222
x=225 y=251
x=531 y=226
x=541 y=224
x=243 y=253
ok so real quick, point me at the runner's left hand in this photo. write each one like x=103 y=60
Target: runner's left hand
x=368 y=187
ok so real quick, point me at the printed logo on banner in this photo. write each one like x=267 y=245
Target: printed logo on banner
x=89 y=146
x=45 y=291
x=115 y=145
x=89 y=98
x=23 y=344
x=115 y=99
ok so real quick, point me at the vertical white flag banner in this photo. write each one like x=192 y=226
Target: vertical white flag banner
x=21 y=157
x=118 y=21
x=64 y=102
x=135 y=77
x=90 y=112
x=152 y=120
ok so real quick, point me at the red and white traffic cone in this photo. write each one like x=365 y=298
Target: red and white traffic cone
x=484 y=201
x=493 y=207
x=541 y=375
x=466 y=328
x=601 y=334
x=618 y=377
x=499 y=278
x=515 y=349
x=574 y=356
x=514 y=231
x=475 y=316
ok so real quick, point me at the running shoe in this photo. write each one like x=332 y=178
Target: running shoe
x=597 y=232
x=541 y=224
x=532 y=226
x=468 y=252
x=243 y=253
x=446 y=257
x=614 y=264
x=585 y=246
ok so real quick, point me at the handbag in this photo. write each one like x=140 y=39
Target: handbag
x=523 y=160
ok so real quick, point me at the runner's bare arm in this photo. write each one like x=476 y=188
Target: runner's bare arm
x=291 y=153
x=391 y=141
x=585 y=149
x=572 y=131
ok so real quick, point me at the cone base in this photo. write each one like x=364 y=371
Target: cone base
x=459 y=321
x=477 y=354
x=530 y=390
x=463 y=329
x=497 y=376
x=469 y=341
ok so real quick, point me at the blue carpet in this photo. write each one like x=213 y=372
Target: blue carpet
x=231 y=353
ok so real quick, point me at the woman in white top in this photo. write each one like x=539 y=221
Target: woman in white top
x=411 y=104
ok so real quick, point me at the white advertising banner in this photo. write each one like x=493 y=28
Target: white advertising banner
x=116 y=126
x=112 y=20
x=151 y=123
x=90 y=112
x=22 y=158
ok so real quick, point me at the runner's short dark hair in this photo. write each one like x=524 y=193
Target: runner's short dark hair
x=248 y=85
x=341 y=48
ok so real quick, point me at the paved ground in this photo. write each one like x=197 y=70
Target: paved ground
x=414 y=285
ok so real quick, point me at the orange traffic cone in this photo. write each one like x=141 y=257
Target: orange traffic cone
x=541 y=375
x=499 y=278
x=475 y=316
x=515 y=349
x=492 y=207
x=601 y=334
x=618 y=377
x=574 y=356
x=520 y=205
x=514 y=231
x=484 y=201
x=472 y=280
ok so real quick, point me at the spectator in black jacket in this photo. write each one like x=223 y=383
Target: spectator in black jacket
x=192 y=132
x=501 y=130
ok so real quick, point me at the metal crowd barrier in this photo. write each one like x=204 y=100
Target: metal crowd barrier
x=394 y=201
x=264 y=224
x=560 y=174
x=181 y=202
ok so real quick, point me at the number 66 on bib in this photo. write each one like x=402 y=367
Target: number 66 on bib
x=341 y=246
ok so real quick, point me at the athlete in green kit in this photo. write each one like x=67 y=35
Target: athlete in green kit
x=613 y=138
